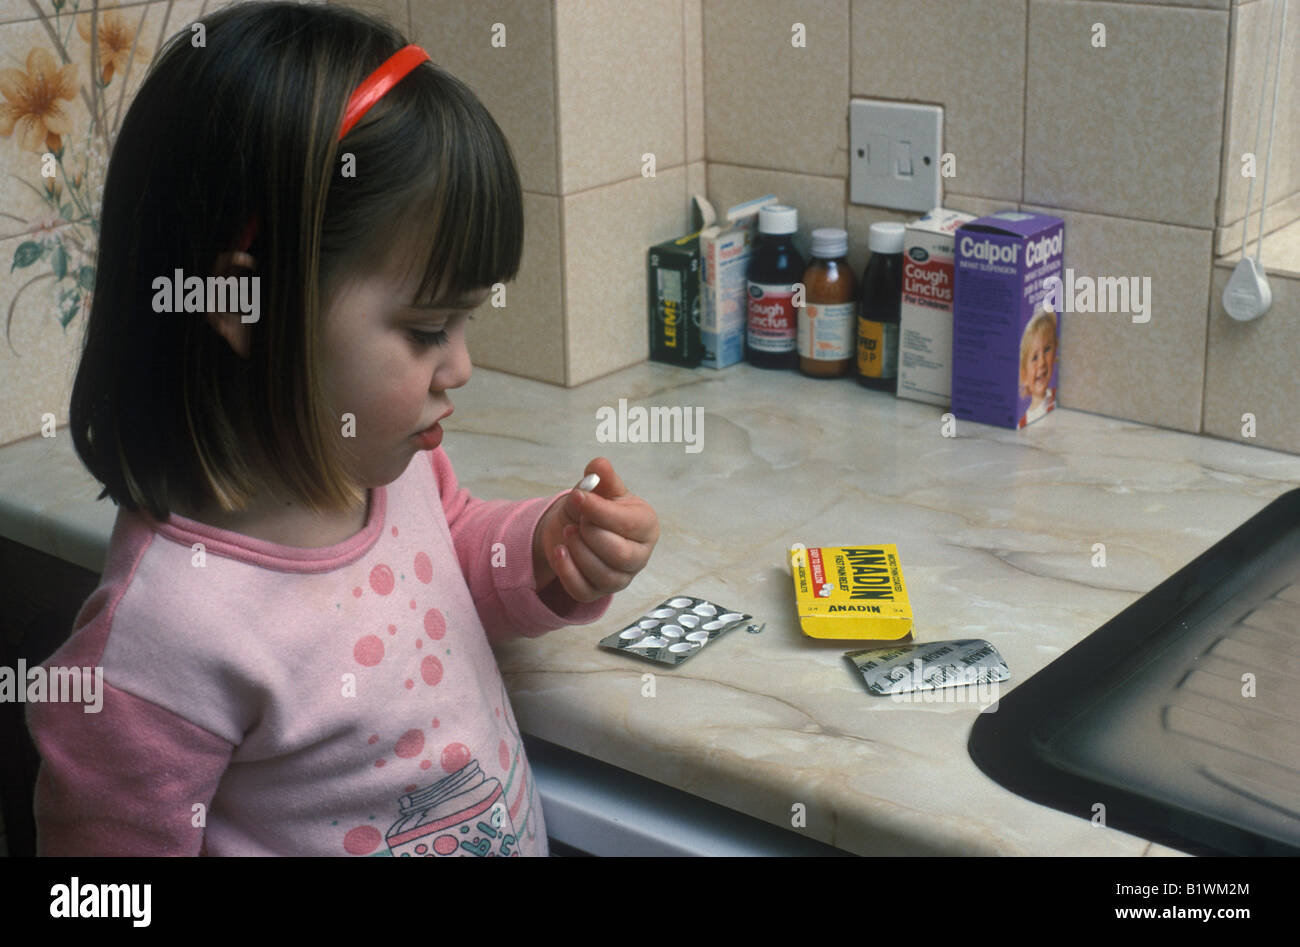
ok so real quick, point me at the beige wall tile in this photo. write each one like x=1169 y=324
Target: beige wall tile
x=1102 y=132
x=515 y=82
x=769 y=104
x=621 y=87
x=526 y=337
x=1251 y=42
x=697 y=179
x=979 y=206
x=1280 y=214
x=607 y=233
x=926 y=51
x=820 y=201
x=396 y=12
x=693 y=15
x=1251 y=368
x=1279 y=255
x=1203 y=4
x=858 y=220
x=1151 y=372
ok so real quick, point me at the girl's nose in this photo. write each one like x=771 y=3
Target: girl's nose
x=455 y=371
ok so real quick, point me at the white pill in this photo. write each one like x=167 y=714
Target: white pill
x=712 y=625
x=650 y=641
x=662 y=613
x=730 y=617
x=705 y=609
x=670 y=631
x=688 y=621
x=631 y=633
x=680 y=602
x=680 y=647
x=589 y=482
x=648 y=622
x=698 y=636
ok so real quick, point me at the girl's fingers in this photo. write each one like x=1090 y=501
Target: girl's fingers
x=626 y=517
x=618 y=553
x=611 y=484
x=598 y=573
x=570 y=577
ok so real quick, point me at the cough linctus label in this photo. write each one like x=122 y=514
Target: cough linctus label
x=772 y=321
x=927 y=280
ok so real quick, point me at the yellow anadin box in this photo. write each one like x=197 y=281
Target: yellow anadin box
x=851 y=592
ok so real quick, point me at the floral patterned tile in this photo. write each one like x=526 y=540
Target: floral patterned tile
x=65 y=84
x=38 y=350
x=12 y=11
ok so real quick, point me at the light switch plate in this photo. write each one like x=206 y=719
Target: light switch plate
x=894 y=154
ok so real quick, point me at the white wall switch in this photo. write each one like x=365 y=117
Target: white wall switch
x=894 y=153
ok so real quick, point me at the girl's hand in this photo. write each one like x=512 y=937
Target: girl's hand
x=594 y=543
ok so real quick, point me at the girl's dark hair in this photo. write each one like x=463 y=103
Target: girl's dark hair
x=248 y=124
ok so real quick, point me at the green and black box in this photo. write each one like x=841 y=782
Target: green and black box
x=674 y=283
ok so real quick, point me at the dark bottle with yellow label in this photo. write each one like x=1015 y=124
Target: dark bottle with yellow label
x=878 y=309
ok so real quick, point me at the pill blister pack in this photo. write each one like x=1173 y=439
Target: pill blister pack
x=675 y=631
x=929 y=665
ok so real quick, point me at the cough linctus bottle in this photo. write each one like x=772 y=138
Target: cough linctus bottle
x=828 y=325
x=771 y=326
x=879 y=307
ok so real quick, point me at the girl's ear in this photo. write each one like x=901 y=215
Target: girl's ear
x=230 y=325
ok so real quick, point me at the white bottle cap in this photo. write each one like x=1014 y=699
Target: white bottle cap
x=886 y=238
x=830 y=242
x=778 y=218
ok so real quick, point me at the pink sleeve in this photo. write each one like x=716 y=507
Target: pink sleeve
x=494 y=545
x=123 y=780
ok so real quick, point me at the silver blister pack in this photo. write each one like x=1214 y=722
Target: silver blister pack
x=676 y=630
x=929 y=665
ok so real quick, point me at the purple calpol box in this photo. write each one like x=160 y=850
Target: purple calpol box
x=1005 y=338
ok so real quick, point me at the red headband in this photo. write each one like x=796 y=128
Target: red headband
x=375 y=86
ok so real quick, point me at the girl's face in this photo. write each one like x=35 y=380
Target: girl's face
x=382 y=364
x=1037 y=372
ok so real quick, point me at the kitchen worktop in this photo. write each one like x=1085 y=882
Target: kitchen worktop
x=996 y=532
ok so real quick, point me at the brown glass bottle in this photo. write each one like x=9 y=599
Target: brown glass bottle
x=828 y=318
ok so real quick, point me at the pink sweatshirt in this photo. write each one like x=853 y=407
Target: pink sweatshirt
x=285 y=701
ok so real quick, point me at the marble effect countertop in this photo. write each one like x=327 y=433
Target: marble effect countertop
x=995 y=531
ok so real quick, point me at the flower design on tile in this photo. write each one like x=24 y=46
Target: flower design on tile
x=114 y=42
x=32 y=105
x=63 y=150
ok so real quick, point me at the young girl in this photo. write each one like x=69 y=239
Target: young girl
x=295 y=615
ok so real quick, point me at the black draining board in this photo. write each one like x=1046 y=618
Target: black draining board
x=1181 y=715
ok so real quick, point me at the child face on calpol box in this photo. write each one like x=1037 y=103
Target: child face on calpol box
x=1038 y=356
x=391 y=363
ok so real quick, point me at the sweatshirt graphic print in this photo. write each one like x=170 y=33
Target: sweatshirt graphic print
x=262 y=699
